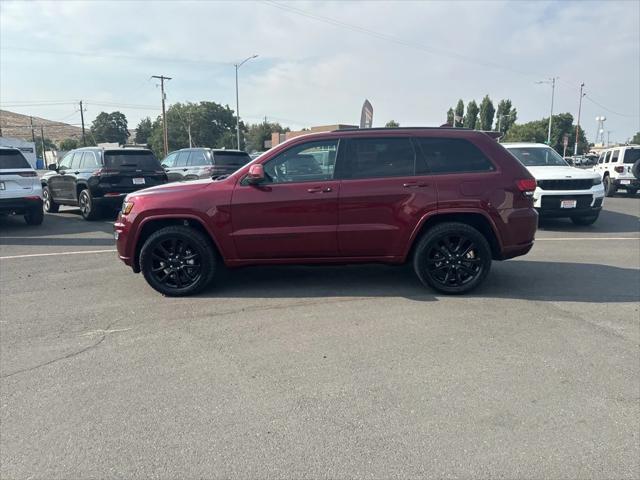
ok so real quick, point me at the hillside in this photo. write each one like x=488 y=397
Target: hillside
x=17 y=125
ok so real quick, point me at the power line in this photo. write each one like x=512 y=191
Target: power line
x=608 y=109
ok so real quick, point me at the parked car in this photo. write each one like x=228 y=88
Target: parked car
x=619 y=168
x=195 y=163
x=96 y=179
x=20 y=191
x=562 y=190
x=447 y=200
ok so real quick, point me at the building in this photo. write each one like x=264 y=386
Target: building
x=28 y=149
x=277 y=138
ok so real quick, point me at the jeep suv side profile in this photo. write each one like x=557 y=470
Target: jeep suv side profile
x=619 y=168
x=96 y=179
x=447 y=200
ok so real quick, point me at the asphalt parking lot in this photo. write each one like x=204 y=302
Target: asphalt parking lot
x=332 y=372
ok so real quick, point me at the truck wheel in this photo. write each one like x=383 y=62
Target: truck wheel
x=35 y=216
x=452 y=258
x=177 y=261
x=49 y=205
x=88 y=209
x=609 y=186
x=585 y=221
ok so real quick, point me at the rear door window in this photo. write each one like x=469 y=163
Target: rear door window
x=130 y=160
x=614 y=157
x=452 y=155
x=198 y=158
x=379 y=157
x=631 y=155
x=231 y=159
x=12 y=159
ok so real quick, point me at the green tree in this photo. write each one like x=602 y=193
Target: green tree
x=143 y=131
x=392 y=124
x=450 y=117
x=258 y=133
x=506 y=116
x=536 y=131
x=487 y=112
x=110 y=128
x=211 y=124
x=636 y=139
x=459 y=112
x=471 y=118
x=69 y=144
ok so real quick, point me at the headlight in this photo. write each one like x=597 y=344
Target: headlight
x=597 y=181
x=127 y=207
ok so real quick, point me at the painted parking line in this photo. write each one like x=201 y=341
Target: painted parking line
x=31 y=255
x=582 y=239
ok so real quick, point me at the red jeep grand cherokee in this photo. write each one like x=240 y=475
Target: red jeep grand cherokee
x=447 y=200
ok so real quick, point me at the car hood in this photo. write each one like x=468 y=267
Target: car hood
x=560 y=173
x=176 y=187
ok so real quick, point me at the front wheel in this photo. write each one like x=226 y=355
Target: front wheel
x=585 y=221
x=452 y=258
x=609 y=186
x=177 y=261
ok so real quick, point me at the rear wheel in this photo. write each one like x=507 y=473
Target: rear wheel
x=49 y=205
x=34 y=216
x=584 y=221
x=609 y=186
x=88 y=209
x=177 y=261
x=452 y=258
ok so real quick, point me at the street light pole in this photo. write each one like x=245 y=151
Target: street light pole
x=238 y=65
x=552 y=81
x=575 y=145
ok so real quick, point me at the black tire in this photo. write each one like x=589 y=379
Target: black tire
x=636 y=169
x=454 y=249
x=49 y=205
x=609 y=186
x=35 y=216
x=585 y=221
x=88 y=209
x=166 y=257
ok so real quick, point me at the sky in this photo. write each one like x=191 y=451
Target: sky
x=318 y=61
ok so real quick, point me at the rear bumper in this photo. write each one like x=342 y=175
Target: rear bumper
x=622 y=183
x=569 y=212
x=114 y=201
x=19 y=205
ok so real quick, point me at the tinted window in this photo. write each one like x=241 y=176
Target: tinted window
x=182 y=160
x=89 y=160
x=454 y=155
x=538 y=157
x=231 y=159
x=379 y=157
x=130 y=160
x=198 y=158
x=607 y=157
x=631 y=155
x=308 y=162
x=12 y=159
x=170 y=160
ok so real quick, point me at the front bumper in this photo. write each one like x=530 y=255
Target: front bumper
x=549 y=203
x=20 y=206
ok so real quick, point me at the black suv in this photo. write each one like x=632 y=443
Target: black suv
x=195 y=163
x=96 y=179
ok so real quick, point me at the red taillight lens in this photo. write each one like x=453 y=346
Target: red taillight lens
x=619 y=169
x=526 y=185
x=28 y=174
x=97 y=173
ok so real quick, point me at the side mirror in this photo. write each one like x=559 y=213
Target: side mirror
x=52 y=166
x=256 y=174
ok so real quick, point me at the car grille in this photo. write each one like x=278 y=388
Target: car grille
x=583 y=201
x=565 y=184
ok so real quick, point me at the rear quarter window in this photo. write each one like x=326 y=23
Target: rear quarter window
x=130 y=160
x=452 y=155
x=12 y=159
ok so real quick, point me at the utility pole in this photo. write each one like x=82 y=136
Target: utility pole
x=84 y=139
x=189 y=128
x=551 y=81
x=33 y=135
x=575 y=145
x=164 y=114
x=238 y=65
x=608 y=133
x=44 y=159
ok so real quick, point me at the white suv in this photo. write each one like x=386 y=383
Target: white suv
x=619 y=167
x=20 y=189
x=563 y=190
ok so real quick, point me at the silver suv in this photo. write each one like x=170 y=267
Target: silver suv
x=20 y=190
x=195 y=163
x=619 y=167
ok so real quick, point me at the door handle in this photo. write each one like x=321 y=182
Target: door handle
x=185 y=169
x=415 y=185
x=320 y=190
x=76 y=173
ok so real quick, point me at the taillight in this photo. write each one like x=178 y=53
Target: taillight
x=27 y=174
x=619 y=169
x=526 y=185
x=97 y=173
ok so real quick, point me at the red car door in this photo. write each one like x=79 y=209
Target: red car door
x=294 y=212
x=381 y=198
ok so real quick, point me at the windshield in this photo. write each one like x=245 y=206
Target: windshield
x=632 y=155
x=12 y=159
x=130 y=160
x=538 y=156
